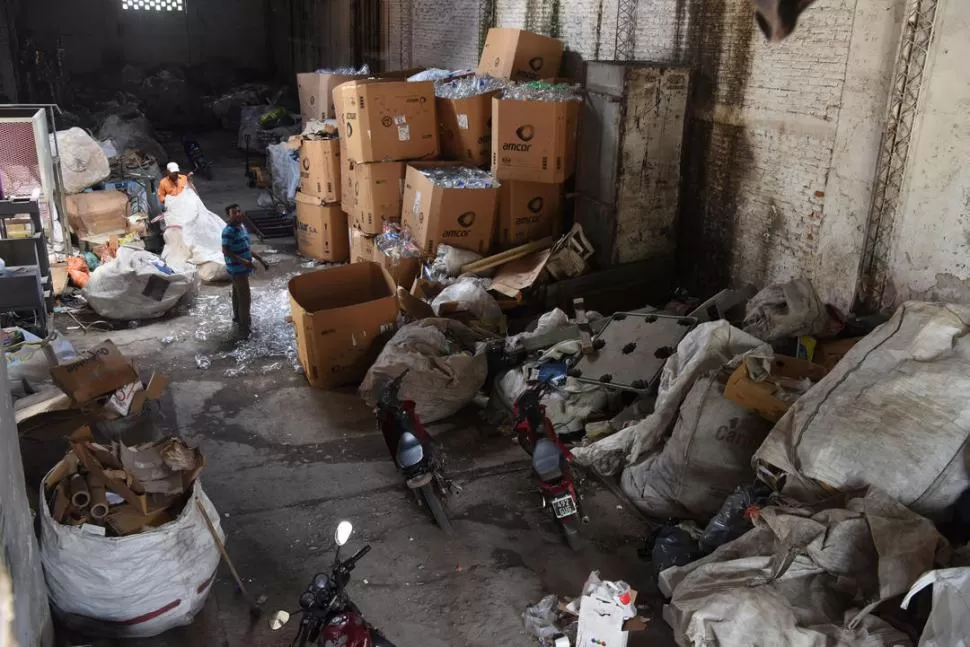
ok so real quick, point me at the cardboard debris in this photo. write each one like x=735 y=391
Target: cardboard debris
x=521 y=274
x=99 y=371
x=772 y=396
x=97 y=213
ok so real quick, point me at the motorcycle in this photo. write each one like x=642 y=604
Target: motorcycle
x=329 y=616
x=551 y=463
x=200 y=165
x=413 y=450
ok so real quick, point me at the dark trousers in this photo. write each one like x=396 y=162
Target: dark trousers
x=241 y=301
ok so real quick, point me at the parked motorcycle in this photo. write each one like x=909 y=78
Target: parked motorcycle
x=200 y=165
x=329 y=616
x=551 y=463
x=413 y=451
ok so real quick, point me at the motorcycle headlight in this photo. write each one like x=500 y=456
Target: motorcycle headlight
x=307 y=600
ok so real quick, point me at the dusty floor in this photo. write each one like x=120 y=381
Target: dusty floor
x=287 y=462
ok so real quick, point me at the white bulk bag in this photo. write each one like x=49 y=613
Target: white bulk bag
x=136 y=285
x=193 y=236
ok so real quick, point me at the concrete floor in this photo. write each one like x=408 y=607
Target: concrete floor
x=287 y=462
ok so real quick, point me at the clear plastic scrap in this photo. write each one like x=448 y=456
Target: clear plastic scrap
x=460 y=177
x=468 y=86
x=542 y=91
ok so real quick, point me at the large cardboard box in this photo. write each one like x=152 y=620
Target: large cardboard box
x=321 y=230
x=388 y=120
x=377 y=188
x=97 y=212
x=534 y=140
x=362 y=248
x=460 y=217
x=99 y=371
x=320 y=169
x=466 y=128
x=520 y=55
x=528 y=211
x=342 y=317
x=316 y=94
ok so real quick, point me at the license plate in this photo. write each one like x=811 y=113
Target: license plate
x=563 y=506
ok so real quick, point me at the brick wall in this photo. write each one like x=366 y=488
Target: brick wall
x=764 y=116
x=445 y=34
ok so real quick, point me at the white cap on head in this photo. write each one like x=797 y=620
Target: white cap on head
x=172 y=167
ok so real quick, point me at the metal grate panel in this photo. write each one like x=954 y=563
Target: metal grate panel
x=19 y=166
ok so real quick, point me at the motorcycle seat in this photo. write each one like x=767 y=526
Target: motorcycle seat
x=547 y=460
x=410 y=451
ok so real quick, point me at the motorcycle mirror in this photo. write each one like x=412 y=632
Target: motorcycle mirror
x=278 y=619
x=344 y=529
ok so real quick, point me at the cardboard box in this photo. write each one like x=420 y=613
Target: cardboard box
x=100 y=371
x=388 y=120
x=320 y=169
x=520 y=55
x=762 y=397
x=316 y=94
x=377 y=189
x=465 y=127
x=362 y=249
x=461 y=217
x=321 y=230
x=534 y=140
x=402 y=270
x=343 y=316
x=97 y=212
x=528 y=211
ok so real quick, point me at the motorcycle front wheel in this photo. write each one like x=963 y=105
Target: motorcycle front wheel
x=434 y=505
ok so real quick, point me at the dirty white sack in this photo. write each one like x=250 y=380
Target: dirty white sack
x=136 y=285
x=797 y=578
x=193 y=237
x=445 y=371
x=98 y=585
x=284 y=167
x=786 y=310
x=567 y=406
x=894 y=413
x=949 y=621
x=706 y=457
x=83 y=161
x=710 y=346
x=470 y=294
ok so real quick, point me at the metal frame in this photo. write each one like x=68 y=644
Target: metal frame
x=917 y=37
x=626 y=29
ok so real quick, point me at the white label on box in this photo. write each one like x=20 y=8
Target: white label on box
x=463 y=122
x=416 y=207
x=404 y=133
x=400 y=120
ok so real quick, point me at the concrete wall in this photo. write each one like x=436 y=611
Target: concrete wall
x=20 y=555
x=98 y=34
x=931 y=257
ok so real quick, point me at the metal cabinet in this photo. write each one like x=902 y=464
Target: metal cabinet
x=628 y=159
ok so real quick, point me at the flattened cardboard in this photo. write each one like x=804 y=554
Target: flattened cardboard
x=377 y=195
x=463 y=218
x=528 y=211
x=126 y=519
x=321 y=230
x=362 y=249
x=520 y=274
x=388 y=120
x=316 y=94
x=465 y=127
x=534 y=141
x=96 y=213
x=520 y=55
x=100 y=371
x=320 y=165
x=343 y=316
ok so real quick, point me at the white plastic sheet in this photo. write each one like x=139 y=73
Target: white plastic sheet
x=193 y=237
x=136 y=285
x=284 y=166
x=83 y=161
x=105 y=586
x=469 y=294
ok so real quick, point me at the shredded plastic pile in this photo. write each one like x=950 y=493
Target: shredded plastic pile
x=542 y=91
x=468 y=86
x=460 y=177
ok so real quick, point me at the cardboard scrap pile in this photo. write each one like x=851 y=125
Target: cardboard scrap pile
x=118 y=490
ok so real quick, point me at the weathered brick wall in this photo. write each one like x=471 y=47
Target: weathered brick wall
x=764 y=115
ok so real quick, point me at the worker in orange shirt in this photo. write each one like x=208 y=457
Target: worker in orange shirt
x=173 y=183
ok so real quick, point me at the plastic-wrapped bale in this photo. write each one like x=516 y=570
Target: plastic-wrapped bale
x=83 y=162
x=894 y=414
x=444 y=373
x=136 y=285
x=135 y=586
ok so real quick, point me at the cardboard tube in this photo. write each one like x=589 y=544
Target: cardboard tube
x=80 y=496
x=99 y=502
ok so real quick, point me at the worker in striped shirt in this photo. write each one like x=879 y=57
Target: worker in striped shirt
x=239 y=257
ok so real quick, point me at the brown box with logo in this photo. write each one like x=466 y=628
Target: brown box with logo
x=362 y=249
x=388 y=120
x=534 y=140
x=343 y=316
x=520 y=55
x=320 y=169
x=97 y=212
x=435 y=214
x=528 y=211
x=321 y=230
x=316 y=94
x=466 y=128
x=377 y=191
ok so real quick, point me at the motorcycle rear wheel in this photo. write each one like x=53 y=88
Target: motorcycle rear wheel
x=434 y=505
